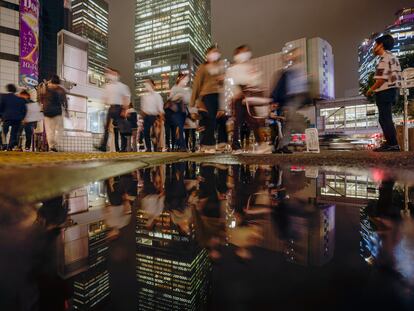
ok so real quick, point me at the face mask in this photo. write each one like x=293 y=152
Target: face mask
x=111 y=77
x=213 y=57
x=184 y=82
x=243 y=57
x=148 y=87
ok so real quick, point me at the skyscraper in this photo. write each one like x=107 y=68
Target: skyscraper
x=170 y=37
x=403 y=32
x=90 y=19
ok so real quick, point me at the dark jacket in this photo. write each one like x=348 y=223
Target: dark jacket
x=55 y=101
x=279 y=93
x=12 y=107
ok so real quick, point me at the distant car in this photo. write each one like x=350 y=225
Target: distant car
x=344 y=142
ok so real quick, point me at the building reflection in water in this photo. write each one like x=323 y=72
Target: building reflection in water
x=188 y=221
x=172 y=269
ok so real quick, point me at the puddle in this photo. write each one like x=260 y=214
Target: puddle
x=193 y=236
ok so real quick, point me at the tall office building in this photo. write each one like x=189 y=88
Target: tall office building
x=403 y=32
x=42 y=20
x=9 y=43
x=90 y=20
x=170 y=37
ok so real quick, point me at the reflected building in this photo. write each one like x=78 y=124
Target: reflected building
x=170 y=37
x=172 y=270
x=84 y=248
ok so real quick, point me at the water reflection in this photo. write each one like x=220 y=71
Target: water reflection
x=213 y=237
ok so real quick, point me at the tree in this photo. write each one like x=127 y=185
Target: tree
x=406 y=61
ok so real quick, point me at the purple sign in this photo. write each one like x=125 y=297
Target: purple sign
x=29 y=43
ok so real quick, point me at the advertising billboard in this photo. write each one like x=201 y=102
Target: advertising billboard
x=29 y=43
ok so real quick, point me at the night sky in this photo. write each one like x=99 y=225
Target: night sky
x=267 y=24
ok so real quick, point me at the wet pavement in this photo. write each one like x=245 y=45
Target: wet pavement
x=214 y=236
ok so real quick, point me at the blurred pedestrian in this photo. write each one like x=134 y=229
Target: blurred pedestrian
x=180 y=96
x=12 y=110
x=34 y=114
x=207 y=86
x=118 y=97
x=291 y=93
x=132 y=117
x=387 y=83
x=246 y=81
x=152 y=107
x=54 y=105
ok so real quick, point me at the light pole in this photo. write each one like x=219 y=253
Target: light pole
x=408 y=82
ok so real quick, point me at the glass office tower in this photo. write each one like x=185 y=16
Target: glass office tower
x=170 y=37
x=90 y=20
x=403 y=32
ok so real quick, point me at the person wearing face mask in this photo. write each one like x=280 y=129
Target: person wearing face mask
x=386 y=88
x=246 y=81
x=207 y=86
x=179 y=98
x=152 y=107
x=118 y=97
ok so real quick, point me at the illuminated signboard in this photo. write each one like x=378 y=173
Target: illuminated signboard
x=29 y=43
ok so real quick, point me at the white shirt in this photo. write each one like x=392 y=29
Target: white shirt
x=388 y=69
x=244 y=74
x=115 y=93
x=152 y=104
x=34 y=112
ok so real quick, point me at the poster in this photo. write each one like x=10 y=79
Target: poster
x=29 y=43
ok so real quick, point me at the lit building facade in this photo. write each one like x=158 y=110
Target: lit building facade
x=172 y=270
x=349 y=116
x=317 y=60
x=90 y=20
x=170 y=37
x=9 y=43
x=402 y=31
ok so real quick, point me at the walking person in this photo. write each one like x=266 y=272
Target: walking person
x=118 y=97
x=12 y=110
x=152 y=107
x=55 y=103
x=386 y=89
x=290 y=94
x=132 y=117
x=207 y=86
x=246 y=81
x=34 y=114
x=180 y=96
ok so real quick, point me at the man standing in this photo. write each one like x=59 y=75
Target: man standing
x=12 y=110
x=387 y=83
x=118 y=97
x=54 y=104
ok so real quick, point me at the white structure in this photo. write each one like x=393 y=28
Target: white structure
x=269 y=65
x=317 y=60
x=86 y=109
x=9 y=43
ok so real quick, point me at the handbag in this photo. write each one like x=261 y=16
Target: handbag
x=124 y=127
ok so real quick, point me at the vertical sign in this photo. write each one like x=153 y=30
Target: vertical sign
x=29 y=43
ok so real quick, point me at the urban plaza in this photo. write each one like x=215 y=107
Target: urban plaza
x=206 y=155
